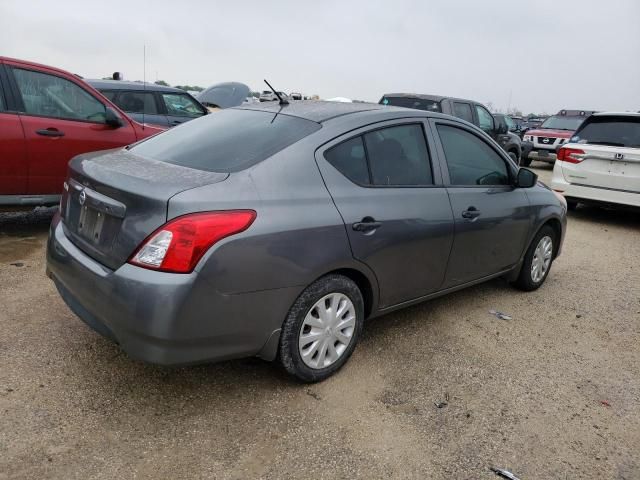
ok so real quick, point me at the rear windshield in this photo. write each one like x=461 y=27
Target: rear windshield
x=561 y=122
x=226 y=141
x=615 y=131
x=412 y=102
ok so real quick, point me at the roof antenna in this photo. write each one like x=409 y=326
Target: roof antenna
x=282 y=100
x=144 y=80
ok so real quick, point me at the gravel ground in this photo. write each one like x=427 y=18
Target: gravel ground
x=552 y=393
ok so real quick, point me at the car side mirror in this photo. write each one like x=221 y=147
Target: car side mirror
x=502 y=128
x=112 y=119
x=526 y=178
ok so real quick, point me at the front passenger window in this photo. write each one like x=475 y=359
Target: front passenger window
x=51 y=96
x=470 y=160
x=2 y=107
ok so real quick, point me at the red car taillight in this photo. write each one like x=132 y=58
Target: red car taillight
x=566 y=154
x=178 y=245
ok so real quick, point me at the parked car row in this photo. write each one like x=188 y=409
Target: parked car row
x=554 y=132
x=151 y=103
x=215 y=220
x=469 y=110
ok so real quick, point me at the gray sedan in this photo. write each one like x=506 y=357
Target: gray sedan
x=276 y=231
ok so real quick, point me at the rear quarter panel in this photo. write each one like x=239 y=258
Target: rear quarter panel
x=298 y=234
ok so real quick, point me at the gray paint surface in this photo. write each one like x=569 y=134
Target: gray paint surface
x=235 y=301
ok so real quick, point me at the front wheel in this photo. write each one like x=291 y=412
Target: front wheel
x=537 y=260
x=525 y=161
x=322 y=328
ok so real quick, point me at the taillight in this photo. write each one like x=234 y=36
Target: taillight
x=566 y=154
x=178 y=245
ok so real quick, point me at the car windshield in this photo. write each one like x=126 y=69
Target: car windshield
x=228 y=141
x=616 y=131
x=561 y=122
x=412 y=102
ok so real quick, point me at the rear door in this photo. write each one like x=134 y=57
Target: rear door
x=610 y=156
x=142 y=106
x=60 y=119
x=394 y=206
x=180 y=107
x=492 y=218
x=13 y=156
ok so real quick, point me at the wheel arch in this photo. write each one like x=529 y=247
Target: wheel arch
x=364 y=283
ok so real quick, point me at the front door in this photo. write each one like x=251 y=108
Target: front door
x=13 y=157
x=492 y=218
x=394 y=206
x=60 y=120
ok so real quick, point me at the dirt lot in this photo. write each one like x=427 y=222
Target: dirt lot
x=552 y=393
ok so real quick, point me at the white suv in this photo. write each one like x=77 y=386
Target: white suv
x=601 y=162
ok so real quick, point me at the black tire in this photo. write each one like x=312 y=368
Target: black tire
x=289 y=353
x=525 y=281
x=525 y=161
x=514 y=156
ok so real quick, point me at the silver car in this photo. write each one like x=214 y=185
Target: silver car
x=276 y=231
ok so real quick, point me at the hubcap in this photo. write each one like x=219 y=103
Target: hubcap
x=541 y=259
x=327 y=330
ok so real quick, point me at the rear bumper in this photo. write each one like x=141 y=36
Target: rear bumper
x=165 y=318
x=29 y=200
x=593 y=194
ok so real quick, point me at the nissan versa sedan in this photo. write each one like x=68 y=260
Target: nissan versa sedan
x=276 y=231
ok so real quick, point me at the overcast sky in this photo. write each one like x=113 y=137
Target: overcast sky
x=540 y=55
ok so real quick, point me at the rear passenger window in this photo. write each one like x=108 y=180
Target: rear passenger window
x=470 y=160
x=349 y=159
x=2 y=104
x=110 y=94
x=463 y=111
x=398 y=156
x=137 y=102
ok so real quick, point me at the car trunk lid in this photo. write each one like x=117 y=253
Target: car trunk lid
x=604 y=166
x=114 y=200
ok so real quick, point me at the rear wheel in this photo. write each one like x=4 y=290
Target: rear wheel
x=322 y=328
x=537 y=260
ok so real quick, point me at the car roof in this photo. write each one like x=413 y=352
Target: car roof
x=28 y=63
x=317 y=110
x=123 y=85
x=616 y=114
x=431 y=98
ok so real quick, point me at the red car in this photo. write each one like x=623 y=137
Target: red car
x=47 y=117
x=542 y=143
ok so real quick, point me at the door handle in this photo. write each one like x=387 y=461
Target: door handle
x=368 y=224
x=471 y=213
x=176 y=122
x=50 y=132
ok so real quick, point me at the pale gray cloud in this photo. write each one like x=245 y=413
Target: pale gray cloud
x=543 y=55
